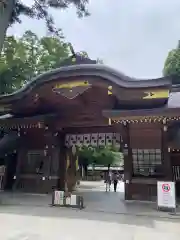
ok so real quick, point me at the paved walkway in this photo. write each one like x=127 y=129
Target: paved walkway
x=42 y=223
x=29 y=217
x=95 y=200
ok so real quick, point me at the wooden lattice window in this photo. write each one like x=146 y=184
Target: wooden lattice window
x=147 y=162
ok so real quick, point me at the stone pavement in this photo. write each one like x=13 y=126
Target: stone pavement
x=42 y=223
x=95 y=200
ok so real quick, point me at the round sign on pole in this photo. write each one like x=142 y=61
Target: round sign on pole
x=166 y=187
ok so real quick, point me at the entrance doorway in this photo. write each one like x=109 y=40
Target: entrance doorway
x=10 y=163
x=97 y=199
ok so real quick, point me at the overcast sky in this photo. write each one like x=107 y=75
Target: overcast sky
x=133 y=36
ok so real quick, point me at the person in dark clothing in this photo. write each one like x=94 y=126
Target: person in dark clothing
x=115 y=181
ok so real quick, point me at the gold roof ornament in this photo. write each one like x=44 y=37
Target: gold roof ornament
x=109 y=90
x=156 y=94
x=71 y=85
x=73 y=89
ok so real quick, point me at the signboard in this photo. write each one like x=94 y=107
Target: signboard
x=166 y=197
x=58 y=198
x=73 y=200
x=68 y=200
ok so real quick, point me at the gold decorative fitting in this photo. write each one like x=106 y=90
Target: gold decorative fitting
x=165 y=128
x=164 y=121
x=45 y=152
x=124 y=123
x=39 y=125
x=151 y=119
x=109 y=90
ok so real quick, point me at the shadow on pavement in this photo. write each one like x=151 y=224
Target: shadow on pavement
x=55 y=212
x=99 y=205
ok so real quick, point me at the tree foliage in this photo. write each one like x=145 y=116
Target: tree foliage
x=24 y=58
x=28 y=56
x=104 y=156
x=11 y=10
x=39 y=10
x=172 y=65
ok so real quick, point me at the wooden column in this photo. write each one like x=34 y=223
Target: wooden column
x=166 y=161
x=21 y=156
x=47 y=181
x=71 y=170
x=62 y=161
x=127 y=161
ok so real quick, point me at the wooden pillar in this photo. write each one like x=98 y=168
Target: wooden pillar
x=71 y=170
x=166 y=161
x=128 y=164
x=62 y=162
x=47 y=183
x=21 y=156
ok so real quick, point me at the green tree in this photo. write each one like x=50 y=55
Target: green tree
x=12 y=66
x=25 y=57
x=11 y=10
x=172 y=65
x=103 y=156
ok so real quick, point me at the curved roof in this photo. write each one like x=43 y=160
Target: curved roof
x=89 y=70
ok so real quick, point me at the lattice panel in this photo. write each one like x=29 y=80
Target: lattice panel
x=94 y=139
x=73 y=140
x=117 y=139
x=101 y=139
x=80 y=140
x=67 y=140
x=87 y=139
x=109 y=139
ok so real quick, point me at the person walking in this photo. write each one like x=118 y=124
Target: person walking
x=115 y=181
x=108 y=179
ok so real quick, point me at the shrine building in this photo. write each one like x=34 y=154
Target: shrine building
x=90 y=104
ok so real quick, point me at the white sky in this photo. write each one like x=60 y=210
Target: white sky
x=133 y=36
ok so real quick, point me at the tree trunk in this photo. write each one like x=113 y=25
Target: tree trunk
x=5 y=16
